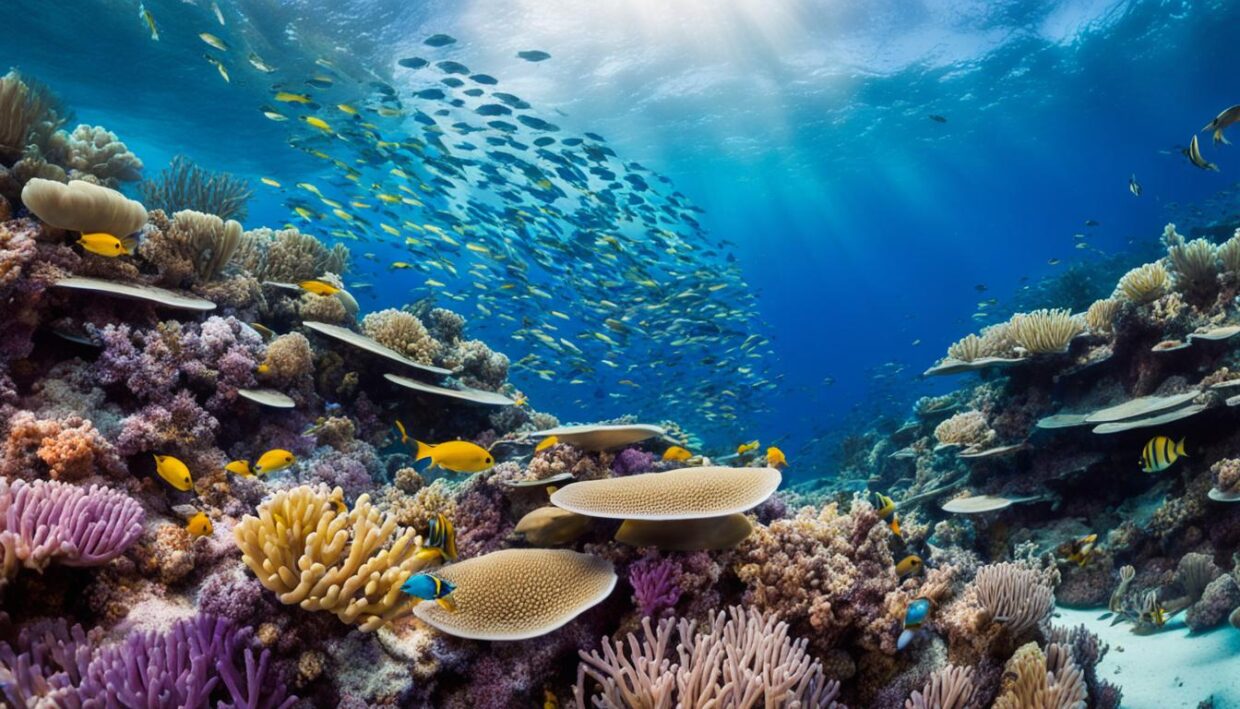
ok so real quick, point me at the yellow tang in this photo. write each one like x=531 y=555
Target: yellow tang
x=200 y=525
x=775 y=458
x=319 y=287
x=677 y=454
x=1160 y=453
x=546 y=443
x=274 y=460
x=107 y=245
x=457 y=456
x=174 y=472
x=240 y=467
x=910 y=564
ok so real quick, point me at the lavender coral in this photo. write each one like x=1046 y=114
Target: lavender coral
x=656 y=585
x=44 y=522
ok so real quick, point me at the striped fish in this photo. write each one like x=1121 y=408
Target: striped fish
x=430 y=587
x=440 y=540
x=1160 y=453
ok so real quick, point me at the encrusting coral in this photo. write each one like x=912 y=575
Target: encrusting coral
x=310 y=549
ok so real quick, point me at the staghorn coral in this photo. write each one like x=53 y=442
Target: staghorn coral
x=185 y=185
x=1044 y=331
x=739 y=658
x=311 y=550
x=401 y=332
x=829 y=575
x=1100 y=318
x=42 y=522
x=1034 y=680
x=1144 y=284
x=949 y=688
x=1013 y=595
x=967 y=428
x=191 y=248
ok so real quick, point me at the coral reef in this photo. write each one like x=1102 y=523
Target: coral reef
x=185 y=185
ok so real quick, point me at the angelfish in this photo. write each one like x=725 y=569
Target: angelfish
x=430 y=587
x=916 y=614
x=1193 y=153
x=1221 y=121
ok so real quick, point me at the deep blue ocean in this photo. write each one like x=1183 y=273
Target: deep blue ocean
x=876 y=170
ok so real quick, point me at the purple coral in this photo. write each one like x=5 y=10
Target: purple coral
x=656 y=585
x=632 y=461
x=46 y=521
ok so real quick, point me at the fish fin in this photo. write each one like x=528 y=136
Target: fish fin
x=1219 y=138
x=1179 y=449
x=447 y=604
x=404 y=437
x=130 y=243
x=424 y=451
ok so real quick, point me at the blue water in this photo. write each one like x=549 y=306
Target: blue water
x=803 y=131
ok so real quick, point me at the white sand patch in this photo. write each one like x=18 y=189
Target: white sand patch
x=1169 y=669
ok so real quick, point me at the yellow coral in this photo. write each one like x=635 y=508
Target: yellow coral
x=311 y=550
x=1144 y=284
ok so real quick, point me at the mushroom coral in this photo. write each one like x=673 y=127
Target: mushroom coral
x=307 y=547
x=689 y=493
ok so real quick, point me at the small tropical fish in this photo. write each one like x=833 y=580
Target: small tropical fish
x=457 y=456
x=317 y=122
x=215 y=7
x=520 y=400
x=174 y=472
x=775 y=458
x=1193 y=153
x=677 y=454
x=275 y=116
x=274 y=460
x=213 y=41
x=240 y=467
x=744 y=448
x=107 y=245
x=286 y=97
x=258 y=63
x=1053 y=262
x=1133 y=186
x=550 y=701
x=937 y=118
x=149 y=19
x=219 y=66
x=534 y=55
x=546 y=443
x=200 y=525
x=894 y=525
x=1221 y=121
x=1079 y=551
x=440 y=540
x=269 y=182
x=914 y=617
x=886 y=506
x=910 y=564
x=346 y=108
x=430 y=587
x=319 y=287
x=1160 y=453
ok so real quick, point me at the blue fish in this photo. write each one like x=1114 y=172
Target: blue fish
x=917 y=613
x=440 y=540
x=430 y=587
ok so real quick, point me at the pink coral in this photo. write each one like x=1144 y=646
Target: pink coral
x=64 y=449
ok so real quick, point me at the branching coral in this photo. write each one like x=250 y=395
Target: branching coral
x=1144 y=284
x=656 y=585
x=42 y=522
x=1042 y=681
x=967 y=428
x=402 y=332
x=191 y=247
x=1044 y=331
x=740 y=659
x=307 y=547
x=185 y=185
x=1014 y=595
x=1101 y=315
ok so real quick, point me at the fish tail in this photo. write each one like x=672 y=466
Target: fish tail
x=1179 y=449
x=424 y=451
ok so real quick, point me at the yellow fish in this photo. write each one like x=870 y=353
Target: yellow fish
x=910 y=564
x=213 y=41
x=200 y=525
x=269 y=182
x=274 y=460
x=346 y=108
x=240 y=467
x=546 y=443
x=1079 y=551
x=317 y=123
x=319 y=287
x=286 y=97
x=107 y=245
x=440 y=540
x=1160 y=453
x=744 y=448
x=401 y=265
x=775 y=458
x=886 y=505
x=146 y=16
x=677 y=454
x=263 y=368
x=457 y=456
x=174 y=472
